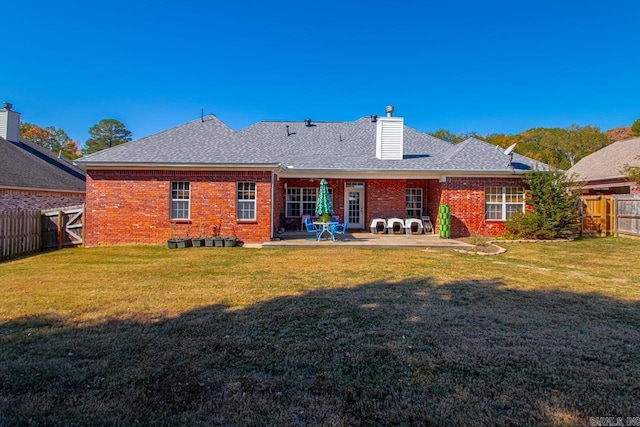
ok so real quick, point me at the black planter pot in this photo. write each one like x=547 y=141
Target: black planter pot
x=218 y=242
x=179 y=243
x=198 y=242
x=229 y=242
x=209 y=242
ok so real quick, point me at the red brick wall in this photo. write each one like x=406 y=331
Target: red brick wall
x=11 y=200
x=466 y=198
x=385 y=198
x=133 y=207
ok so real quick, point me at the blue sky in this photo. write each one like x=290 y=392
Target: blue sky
x=488 y=67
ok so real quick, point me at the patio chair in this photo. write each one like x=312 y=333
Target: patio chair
x=310 y=227
x=339 y=228
x=303 y=220
x=426 y=224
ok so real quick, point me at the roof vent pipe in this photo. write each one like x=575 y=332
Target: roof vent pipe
x=374 y=118
x=7 y=105
x=307 y=122
x=389 y=110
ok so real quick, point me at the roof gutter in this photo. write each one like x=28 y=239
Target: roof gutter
x=48 y=190
x=392 y=174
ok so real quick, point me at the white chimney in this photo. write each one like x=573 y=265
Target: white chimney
x=9 y=123
x=389 y=136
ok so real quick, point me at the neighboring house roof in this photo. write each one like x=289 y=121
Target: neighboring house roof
x=26 y=165
x=296 y=146
x=608 y=162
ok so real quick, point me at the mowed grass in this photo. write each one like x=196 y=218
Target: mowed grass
x=545 y=334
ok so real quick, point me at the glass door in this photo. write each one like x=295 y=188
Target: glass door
x=354 y=204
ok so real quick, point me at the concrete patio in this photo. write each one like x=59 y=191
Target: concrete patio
x=363 y=238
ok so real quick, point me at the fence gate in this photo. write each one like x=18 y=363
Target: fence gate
x=597 y=215
x=62 y=227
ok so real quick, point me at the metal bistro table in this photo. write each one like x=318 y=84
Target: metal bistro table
x=325 y=228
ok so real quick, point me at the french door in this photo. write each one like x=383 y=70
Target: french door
x=354 y=204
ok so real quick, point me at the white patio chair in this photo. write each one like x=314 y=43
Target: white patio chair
x=426 y=224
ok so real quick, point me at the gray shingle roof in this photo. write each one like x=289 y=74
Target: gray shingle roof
x=27 y=165
x=326 y=146
x=607 y=162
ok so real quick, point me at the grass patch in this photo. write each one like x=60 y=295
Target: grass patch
x=543 y=334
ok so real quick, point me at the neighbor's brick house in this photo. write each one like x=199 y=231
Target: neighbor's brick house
x=32 y=177
x=204 y=178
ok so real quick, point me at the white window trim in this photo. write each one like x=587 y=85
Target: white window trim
x=420 y=200
x=175 y=200
x=301 y=202
x=503 y=203
x=254 y=201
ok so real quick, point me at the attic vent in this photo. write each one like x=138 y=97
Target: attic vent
x=389 y=110
x=307 y=122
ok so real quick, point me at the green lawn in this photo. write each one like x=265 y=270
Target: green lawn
x=545 y=334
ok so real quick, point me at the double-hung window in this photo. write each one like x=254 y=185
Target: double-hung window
x=501 y=203
x=414 y=203
x=301 y=201
x=246 y=201
x=180 y=198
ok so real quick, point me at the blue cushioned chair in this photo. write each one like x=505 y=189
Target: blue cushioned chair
x=311 y=227
x=339 y=228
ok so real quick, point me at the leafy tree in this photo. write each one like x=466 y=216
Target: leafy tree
x=560 y=148
x=106 y=133
x=632 y=172
x=55 y=140
x=635 y=128
x=553 y=198
x=453 y=138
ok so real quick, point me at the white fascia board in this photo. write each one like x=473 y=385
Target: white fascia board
x=168 y=166
x=390 y=174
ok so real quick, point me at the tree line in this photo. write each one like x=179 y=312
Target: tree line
x=104 y=134
x=557 y=147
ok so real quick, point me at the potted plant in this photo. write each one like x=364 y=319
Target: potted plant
x=230 y=241
x=178 y=242
x=172 y=242
x=199 y=241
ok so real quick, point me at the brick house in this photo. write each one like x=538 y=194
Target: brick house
x=32 y=177
x=202 y=178
x=602 y=171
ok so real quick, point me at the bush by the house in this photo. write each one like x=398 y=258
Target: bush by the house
x=552 y=197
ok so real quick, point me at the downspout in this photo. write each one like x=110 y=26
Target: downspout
x=273 y=179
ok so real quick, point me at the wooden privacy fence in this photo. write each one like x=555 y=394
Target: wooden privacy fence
x=608 y=215
x=20 y=233
x=26 y=232
x=627 y=215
